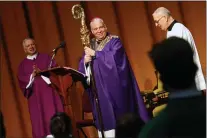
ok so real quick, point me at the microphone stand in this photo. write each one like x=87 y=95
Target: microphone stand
x=62 y=45
x=54 y=53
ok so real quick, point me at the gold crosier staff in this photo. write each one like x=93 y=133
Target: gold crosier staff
x=78 y=12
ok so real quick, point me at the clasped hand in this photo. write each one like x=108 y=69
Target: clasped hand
x=88 y=54
x=35 y=71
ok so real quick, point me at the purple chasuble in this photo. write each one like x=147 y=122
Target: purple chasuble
x=43 y=101
x=117 y=88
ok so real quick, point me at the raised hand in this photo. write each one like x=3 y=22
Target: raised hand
x=87 y=58
x=35 y=71
x=89 y=51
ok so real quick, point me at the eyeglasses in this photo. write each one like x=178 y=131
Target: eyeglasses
x=158 y=20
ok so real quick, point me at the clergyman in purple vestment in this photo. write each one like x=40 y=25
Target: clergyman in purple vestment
x=117 y=88
x=43 y=100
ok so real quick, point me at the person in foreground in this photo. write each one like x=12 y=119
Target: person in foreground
x=164 y=20
x=60 y=126
x=185 y=113
x=117 y=88
x=43 y=100
x=2 y=125
x=128 y=126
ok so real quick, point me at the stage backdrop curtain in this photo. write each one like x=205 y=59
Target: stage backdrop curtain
x=49 y=23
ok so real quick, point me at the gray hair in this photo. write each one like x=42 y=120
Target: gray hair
x=162 y=11
x=97 y=19
x=28 y=38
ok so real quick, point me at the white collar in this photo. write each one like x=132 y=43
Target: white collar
x=32 y=57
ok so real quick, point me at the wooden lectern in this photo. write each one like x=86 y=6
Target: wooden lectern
x=64 y=80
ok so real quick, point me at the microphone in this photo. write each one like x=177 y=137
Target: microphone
x=62 y=45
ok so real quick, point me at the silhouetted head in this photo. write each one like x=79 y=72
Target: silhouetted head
x=60 y=125
x=2 y=131
x=173 y=59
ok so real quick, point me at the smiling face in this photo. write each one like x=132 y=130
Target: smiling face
x=29 y=46
x=98 y=29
